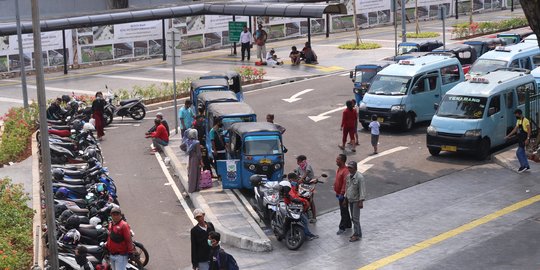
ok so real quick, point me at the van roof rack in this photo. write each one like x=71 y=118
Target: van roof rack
x=524 y=70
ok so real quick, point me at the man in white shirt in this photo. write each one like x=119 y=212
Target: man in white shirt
x=245 y=40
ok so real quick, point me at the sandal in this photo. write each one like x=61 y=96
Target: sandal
x=341 y=147
x=354 y=238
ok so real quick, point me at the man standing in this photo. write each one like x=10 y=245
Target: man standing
x=245 y=41
x=119 y=243
x=355 y=195
x=523 y=131
x=219 y=151
x=339 y=188
x=200 y=250
x=270 y=119
x=186 y=116
x=260 y=37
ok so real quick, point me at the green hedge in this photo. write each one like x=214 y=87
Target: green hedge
x=422 y=35
x=361 y=46
x=16 y=244
x=19 y=124
x=462 y=30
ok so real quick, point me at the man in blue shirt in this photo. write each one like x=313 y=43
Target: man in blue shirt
x=186 y=116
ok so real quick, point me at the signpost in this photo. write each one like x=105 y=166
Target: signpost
x=442 y=16
x=235 y=28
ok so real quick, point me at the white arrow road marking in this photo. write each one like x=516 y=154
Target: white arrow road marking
x=323 y=116
x=295 y=97
x=363 y=167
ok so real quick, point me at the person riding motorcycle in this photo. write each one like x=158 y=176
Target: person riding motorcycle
x=55 y=112
x=305 y=172
x=289 y=196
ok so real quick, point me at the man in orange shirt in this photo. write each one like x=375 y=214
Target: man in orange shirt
x=160 y=137
x=339 y=188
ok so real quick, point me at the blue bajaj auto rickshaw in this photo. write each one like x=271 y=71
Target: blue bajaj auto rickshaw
x=228 y=113
x=234 y=80
x=207 y=85
x=255 y=148
x=207 y=98
x=362 y=77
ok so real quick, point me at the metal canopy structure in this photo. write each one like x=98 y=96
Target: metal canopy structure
x=240 y=9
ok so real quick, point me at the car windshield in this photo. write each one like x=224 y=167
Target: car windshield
x=228 y=121
x=464 y=107
x=483 y=66
x=365 y=74
x=403 y=49
x=262 y=145
x=477 y=47
x=389 y=85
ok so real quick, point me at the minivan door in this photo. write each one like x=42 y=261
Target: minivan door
x=496 y=122
x=424 y=94
x=509 y=99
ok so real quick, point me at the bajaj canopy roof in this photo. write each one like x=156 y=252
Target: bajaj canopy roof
x=217 y=96
x=209 y=82
x=230 y=109
x=250 y=127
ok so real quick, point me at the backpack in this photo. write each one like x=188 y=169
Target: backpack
x=229 y=260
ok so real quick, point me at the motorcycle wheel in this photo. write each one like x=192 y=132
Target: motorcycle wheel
x=38 y=137
x=142 y=253
x=136 y=261
x=137 y=112
x=295 y=237
x=108 y=117
x=273 y=225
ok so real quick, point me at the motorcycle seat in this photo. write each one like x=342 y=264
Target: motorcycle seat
x=60 y=127
x=127 y=101
x=79 y=211
x=91 y=233
x=55 y=122
x=79 y=202
x=81 y=190
x=66 y=145
x=93 y=249
x=70 y=181
x=75 y=173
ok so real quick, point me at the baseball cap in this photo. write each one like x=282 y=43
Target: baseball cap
x=159 y=114
x=116 y=210
x=198 y=212
x=352 y=164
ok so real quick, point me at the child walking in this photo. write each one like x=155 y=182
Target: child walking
x=374 y=127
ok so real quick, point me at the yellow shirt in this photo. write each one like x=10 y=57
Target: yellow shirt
x=525 y=123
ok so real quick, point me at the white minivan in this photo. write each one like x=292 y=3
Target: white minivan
x=522 y=55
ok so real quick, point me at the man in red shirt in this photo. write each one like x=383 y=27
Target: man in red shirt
x=348 y=125
x=339 y=188
x=160 y=137
x=289 y=195
x=119 y=243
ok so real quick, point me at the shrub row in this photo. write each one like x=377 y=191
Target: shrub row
x=248 y=73
x=361 y=46
x=422 y=35
x=19 y=124
x=463 y=30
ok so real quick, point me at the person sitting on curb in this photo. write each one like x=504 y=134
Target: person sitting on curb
x=295 y=56
x=272 y=59
x=159 y=137
x=308 y=55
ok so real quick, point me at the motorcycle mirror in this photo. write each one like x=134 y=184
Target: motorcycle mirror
x=324 y=175
x=102 y=244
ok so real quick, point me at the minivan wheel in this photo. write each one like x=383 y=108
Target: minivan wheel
x=409 y=122
x=365 y=125
x=434 y=151
x=483 y=152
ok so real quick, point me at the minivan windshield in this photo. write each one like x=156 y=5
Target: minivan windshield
x=365 y=74
x=262 y=145
x=464 y=107
x=389 y=85
x=483 y=66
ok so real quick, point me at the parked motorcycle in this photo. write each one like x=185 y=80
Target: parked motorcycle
x=133 y=108
x=286 y=223
x=266 y=195
x=306 y=190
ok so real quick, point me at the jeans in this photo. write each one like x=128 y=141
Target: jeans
x=345 y=221
x=246 y=47
x=522 y=157
x=159 y=143
x=355 y=214
x=119 y=262
x=204 y=266
x=304 y=220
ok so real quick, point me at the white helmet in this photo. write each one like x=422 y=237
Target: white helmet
x=88 y=127
x=72 y=237
x=95 y=221
x=285 y=184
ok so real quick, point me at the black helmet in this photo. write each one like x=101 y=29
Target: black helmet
x=72 y=222
x=89 y=153
x=57 y=174
x=255 y=180
x=59 y=209
x=65 y=98
x=64 y=216
x=77 y=124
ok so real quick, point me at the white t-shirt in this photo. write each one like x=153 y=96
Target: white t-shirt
x=374 y=126
x=245 y=37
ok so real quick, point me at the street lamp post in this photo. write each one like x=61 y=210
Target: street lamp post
x=21 y=55
x=45 y=150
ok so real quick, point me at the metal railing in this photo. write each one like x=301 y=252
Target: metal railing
x=532 y=110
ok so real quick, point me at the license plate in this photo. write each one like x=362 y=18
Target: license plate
x=265 y=161
x=380 y=119
x=449 y=148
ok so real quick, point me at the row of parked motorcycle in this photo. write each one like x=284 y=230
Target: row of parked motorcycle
x=84 y=193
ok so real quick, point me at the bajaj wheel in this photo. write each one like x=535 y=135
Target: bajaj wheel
x=295 y=237
x=137 y=112
x=142 y=253
x=108 y=117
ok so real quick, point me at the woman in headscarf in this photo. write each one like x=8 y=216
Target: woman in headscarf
x=193 y=149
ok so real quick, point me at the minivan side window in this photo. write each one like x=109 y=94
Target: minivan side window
x=450 y=74
x=495 y=103
x=514 y=64
x=523 y=91
x=536 y=60
x=526 y=63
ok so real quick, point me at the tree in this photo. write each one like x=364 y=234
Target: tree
x=531 y=8
x=472 y=10
x=416 y=16
x=356 y=24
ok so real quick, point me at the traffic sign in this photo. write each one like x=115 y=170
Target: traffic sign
x=235 y=28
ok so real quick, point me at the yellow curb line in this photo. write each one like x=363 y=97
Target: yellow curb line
x=449 y=234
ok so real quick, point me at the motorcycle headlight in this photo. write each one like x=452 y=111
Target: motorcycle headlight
x=432 y=131
x=277 y=166
x=251 y=167
x=362 y=106
x=473 y=133
x=397 y=108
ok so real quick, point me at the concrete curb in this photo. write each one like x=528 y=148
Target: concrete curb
x=227 y=236
x=506 y=158
x=36 y=204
